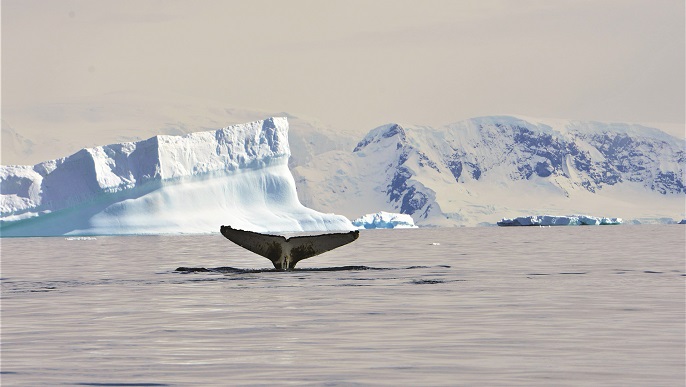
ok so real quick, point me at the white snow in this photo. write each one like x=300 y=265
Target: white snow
x=195 y=183
x=475 y=171
x=550 y=220
x=384 y=219
x=331 y=178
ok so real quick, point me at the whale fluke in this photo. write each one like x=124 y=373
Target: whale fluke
x=286 y=252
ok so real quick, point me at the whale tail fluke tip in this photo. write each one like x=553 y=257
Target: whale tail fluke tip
x=284 y=252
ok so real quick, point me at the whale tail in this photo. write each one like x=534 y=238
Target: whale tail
x=284 y=252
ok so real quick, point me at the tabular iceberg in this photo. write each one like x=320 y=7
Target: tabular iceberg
x=384 y=219
x=166 y=184
x=549 y=220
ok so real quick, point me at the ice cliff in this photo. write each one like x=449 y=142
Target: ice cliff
x=195 y=183
x=550 y=220
x=383 y=219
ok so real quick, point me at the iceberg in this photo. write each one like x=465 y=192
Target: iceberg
x=195 y=183
x=549 y=220
x=384 y=219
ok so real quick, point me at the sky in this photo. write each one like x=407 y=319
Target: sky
x=353 y=64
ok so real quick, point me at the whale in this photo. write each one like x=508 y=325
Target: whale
x=284 y=252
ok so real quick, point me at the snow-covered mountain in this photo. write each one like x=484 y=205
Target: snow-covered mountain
x=483 y=169
x=471 y=172
x=166 y=184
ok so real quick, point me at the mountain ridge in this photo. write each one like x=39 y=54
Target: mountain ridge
x=438 y=174
x=470 y=172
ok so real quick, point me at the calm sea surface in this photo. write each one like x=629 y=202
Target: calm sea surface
x=468 y=306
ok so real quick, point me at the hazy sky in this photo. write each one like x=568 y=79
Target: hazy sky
x=352 y=63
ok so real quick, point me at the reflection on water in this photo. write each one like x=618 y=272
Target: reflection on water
x=494 y=306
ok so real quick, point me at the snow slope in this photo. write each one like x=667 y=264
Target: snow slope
x=483 y=169
x=166 y=184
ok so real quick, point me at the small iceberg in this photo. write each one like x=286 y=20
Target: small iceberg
x=550 y=220
x=384 y=219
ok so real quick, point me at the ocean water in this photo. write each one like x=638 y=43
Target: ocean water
x=466 y=306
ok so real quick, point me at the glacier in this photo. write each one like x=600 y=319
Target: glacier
x=236 y=176
x=383 y=219
x=475 y=171
x=555 y=220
